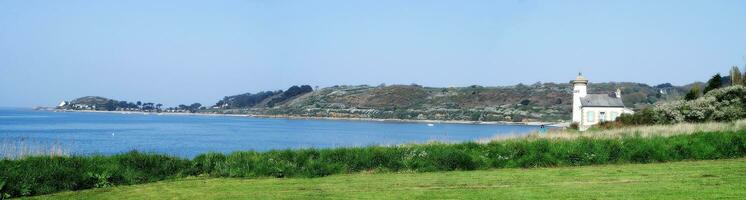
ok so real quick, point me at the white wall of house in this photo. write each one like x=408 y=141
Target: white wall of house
x=595 y=115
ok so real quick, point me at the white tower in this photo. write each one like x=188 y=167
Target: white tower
x=579 y=87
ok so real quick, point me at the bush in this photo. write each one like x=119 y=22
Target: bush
x=605 y=125
x=646 y=116
x=43 y=174
x=724 y=104
x=574 y=126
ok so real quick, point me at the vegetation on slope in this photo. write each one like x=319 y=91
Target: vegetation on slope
x=520 y=103
x=263 y=99
x=44 y=174
x=719 y=179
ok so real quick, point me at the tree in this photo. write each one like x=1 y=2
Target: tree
x=158 y=106
x=714 y=83
x=735 y=76
x=743 y=77
x=693 y=93
x=194 y=107
x=246 y=100
x=122 y=104
x=664 y=86
x=290 y=93
x=110 y=105
x=148 y=106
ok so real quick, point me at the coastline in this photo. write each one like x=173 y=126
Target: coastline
x=549 y=124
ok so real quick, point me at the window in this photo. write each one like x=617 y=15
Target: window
x=602 y=116
x=590 y=117
x=614 y=115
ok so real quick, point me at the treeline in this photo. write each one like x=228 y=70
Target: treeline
x=106 y=104
x=249 y=100
x=152 y=107
x=45 y=174
x=119 y=105
x=191 y=108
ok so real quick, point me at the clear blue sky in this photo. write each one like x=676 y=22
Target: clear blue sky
x=199 y=51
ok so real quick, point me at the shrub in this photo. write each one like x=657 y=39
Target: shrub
x=574 y=126
x=724 y=104
x=605 y=125
x=646 y=116
x=693 y=93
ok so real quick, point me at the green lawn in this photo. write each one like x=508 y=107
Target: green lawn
x=718 y=179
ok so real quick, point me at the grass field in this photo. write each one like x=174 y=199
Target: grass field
x=714 y=179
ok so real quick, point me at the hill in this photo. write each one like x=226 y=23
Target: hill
x=519 y=103
x=546 y=102
x=90 y=100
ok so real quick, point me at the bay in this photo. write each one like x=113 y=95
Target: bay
x=189 y=135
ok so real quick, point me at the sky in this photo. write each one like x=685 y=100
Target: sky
x=180 y=52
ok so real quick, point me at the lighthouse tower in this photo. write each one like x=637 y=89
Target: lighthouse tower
x=579 y=89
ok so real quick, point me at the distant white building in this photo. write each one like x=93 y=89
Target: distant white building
x=591 y=109
x=62 y=104
x=83 y=107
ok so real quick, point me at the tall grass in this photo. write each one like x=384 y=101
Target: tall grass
x=18 y=148
x=641 y=131
x=44 y=174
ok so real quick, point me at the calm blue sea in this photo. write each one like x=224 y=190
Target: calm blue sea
x=187 y=136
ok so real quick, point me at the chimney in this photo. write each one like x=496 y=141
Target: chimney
x=618 y=93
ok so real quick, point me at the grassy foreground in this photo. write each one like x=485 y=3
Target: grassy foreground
x=714 y=179
x=40 y=175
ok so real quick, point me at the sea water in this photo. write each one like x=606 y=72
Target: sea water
x=87 y=133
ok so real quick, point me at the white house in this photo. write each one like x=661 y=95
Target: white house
x=590 y=109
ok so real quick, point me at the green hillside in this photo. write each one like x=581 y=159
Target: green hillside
x=519 y=103
x=90 y=100
x=546 y=102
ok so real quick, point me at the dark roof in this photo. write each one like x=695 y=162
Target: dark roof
x=601 y=100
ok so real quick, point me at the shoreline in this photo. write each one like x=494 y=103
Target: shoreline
x=549 y=124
